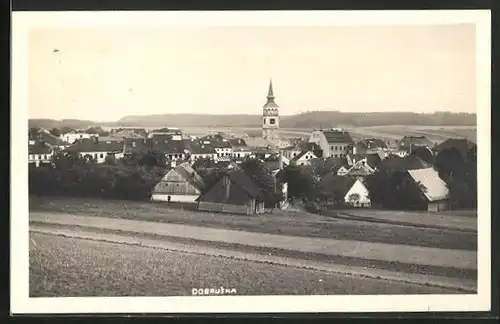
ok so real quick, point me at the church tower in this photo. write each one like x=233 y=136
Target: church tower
x=270 y=116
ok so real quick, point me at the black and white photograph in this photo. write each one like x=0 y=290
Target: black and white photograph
x=250 y=161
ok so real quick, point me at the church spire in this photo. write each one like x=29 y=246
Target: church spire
x=270 y=97
x=270 y=93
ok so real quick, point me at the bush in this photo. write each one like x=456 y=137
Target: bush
x=95 y=180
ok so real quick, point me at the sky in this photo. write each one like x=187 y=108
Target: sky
x=105 y=74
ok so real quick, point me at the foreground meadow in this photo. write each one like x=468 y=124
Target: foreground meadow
x=68 y=267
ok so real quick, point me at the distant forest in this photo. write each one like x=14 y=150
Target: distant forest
x=313 y=119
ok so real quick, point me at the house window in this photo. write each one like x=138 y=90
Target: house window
x=102 y=155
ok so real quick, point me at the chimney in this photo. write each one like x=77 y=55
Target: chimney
x=354 y=150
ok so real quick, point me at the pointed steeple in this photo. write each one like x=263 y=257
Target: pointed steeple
x=270 y=93
x=270 y=97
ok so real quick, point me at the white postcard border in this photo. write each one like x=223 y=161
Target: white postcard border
x=22 y=22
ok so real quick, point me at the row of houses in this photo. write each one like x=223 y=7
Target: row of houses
x=328 y=144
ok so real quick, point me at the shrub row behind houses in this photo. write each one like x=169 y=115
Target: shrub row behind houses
x=95 y=180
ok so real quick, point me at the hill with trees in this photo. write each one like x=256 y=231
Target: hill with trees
x=313 y=119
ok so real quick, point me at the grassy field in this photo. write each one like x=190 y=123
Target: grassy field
x=388 y=132
x=396 y=132
x=295 y=223
x=66 y=267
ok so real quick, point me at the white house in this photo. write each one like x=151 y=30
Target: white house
x=202 y=151
x=333 y=142
x=349 y=189
x=304 y=158
x=223 y=148
x=96 y=149
x=291 y=152
x=241 y=152
x=39 y=153
x=73 y=136
x=358 y=195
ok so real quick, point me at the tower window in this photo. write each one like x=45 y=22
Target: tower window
x=272 y=121
x=264 y=121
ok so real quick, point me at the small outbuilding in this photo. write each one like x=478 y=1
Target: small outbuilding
x=234 y=193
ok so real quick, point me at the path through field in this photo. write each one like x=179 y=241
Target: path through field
x=439 y=267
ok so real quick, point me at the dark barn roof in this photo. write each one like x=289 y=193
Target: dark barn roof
x=398 y=164
x=339 y=185
x=137 y=145
x=335 y=136
x=239 y=179
x=39 y=148
x=408 y=141
x=371 y=143
x=199 y=148
x=94 y=145
x=461 y=144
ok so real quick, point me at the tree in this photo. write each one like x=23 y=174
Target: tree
x=300 y=182
x=110 y=160
x=449 y=161
x=56 y=132
x=66 y=130
x=149 y=158
x=203 y=163
x=210 y=177
x=392 y=189
x=33 y=133
x=94 y=130
x=353 y=199
x=423 y=153
x=460 y=176
x=265 y=180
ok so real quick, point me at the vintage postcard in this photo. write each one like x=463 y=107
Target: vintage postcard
x=222 y=162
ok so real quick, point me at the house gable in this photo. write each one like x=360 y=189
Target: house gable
x=342 y=171
x=358 y=188
x=176 y=184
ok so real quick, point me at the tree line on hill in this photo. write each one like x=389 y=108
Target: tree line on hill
x=313 y=119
